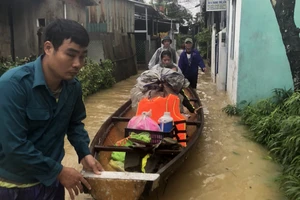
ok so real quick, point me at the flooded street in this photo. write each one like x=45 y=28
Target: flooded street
x=225 y=165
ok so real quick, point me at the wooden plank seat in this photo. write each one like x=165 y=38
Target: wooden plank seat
x=156 y=137
x=126 y=119
x=173 y=134
x=136 y=149
x=193 y=99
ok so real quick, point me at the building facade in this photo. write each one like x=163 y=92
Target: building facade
x=256 y=61
x=21 y=20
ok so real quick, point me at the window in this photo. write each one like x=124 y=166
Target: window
x=233 y=19
x=41 y=22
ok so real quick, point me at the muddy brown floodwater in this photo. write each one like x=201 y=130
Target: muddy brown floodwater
x=224 y=166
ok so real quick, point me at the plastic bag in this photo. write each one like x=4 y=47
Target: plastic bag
x=143 y=122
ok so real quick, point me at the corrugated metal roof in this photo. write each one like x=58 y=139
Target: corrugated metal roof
x=150 y=10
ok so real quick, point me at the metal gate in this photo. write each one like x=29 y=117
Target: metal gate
x=140 y=51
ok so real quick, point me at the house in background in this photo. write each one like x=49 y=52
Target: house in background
x=20 y=21
x=111 y=28
x=150 y=27
x=255 y=58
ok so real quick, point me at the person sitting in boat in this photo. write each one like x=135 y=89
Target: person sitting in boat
x=150 y=81
x=165 y=99
x=157 y=89
x=166 y=62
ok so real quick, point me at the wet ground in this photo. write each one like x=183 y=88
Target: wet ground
x=225 y=165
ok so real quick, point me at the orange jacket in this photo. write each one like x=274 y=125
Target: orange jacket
x=159 y=105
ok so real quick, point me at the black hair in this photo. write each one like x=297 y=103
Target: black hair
x=165 y=53
x=63 y=29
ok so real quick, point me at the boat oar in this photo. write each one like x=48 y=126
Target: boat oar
x=122 y=175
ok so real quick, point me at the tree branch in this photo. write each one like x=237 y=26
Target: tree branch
x=284 y=11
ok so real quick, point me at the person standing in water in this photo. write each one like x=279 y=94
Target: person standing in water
x=41 y=103
x=189 y=62
x=166 y=41
x=166 y=62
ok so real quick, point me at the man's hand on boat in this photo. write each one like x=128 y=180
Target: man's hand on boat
x=73 y=180
x=91 y=164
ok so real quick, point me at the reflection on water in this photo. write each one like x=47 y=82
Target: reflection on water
x=225 y=165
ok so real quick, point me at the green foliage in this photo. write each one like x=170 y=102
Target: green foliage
x=285 y=143
x=174 y=11
x=203 y=39
x=94 y=76
x=265 y=127
x=7 y=63
x=291 y=186
x=292 y=105
x=179 y=12
x=280 y=95
x=231 y=110
x=180 y=39
x=275 y=123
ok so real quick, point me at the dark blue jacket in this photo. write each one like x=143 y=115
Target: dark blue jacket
x=190 y=69
x=33 y=125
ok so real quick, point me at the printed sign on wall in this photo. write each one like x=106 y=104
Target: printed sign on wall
x=216 y=5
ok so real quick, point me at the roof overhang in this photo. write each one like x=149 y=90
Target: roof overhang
x=139 y=3
x=160 y=20
x=88 y=2
x=140 y=9
x=83 y=2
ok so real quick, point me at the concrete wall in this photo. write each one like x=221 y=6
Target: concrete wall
x=4 y=32
x=232 y=65
x=259 y=63
x=213 y=54
x=25 y=21
x=222 y=59
x=263 y=64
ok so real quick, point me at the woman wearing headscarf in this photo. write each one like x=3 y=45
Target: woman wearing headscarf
x=166 y=62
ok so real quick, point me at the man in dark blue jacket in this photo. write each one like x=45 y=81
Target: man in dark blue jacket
x=40 y=103
x=189 y=63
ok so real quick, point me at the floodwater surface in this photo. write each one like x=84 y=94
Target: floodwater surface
x=224 y=166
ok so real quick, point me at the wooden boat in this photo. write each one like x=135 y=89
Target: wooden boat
x=113 y=130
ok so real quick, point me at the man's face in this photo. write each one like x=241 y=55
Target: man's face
x=167 y=43
x=188 y=46
x=67 y=60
